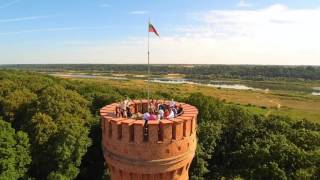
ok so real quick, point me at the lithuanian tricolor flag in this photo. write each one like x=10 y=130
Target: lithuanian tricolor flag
x=152 y=29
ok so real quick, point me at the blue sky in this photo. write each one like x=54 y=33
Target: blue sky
x=203 y=31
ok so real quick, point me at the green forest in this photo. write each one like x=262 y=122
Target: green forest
x=252 y=72
x=50 y=129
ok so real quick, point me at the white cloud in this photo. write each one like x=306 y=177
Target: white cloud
x=54 y=29
x=139 y=12
x=244 y=3
x=276 y=21
x=27 y=18
x=272 y=35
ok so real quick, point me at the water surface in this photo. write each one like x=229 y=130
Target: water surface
x=215 y=84
x=88 y=76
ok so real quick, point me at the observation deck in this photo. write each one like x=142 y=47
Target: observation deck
x=162 y=151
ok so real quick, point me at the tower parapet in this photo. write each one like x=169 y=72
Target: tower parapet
x=164 y=151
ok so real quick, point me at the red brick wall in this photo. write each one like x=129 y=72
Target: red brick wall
x=166 y=154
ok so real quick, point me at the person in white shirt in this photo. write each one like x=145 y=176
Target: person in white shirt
x=161 y=114
x=123 y=108
x=146 y=116
x=171 y=114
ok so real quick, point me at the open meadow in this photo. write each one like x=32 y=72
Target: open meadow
x=289 y=98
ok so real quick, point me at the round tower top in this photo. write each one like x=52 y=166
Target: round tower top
x=131 y=143
x=187 y=118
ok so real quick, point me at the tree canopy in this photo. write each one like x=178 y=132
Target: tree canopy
x=14 y=152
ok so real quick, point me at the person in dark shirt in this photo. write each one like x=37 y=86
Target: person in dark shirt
x=179 y=111
x=162 y=107
x=129 y=113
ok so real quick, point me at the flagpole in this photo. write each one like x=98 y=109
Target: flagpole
x=148 y=86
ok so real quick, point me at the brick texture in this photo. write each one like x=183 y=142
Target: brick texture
x=163 y=152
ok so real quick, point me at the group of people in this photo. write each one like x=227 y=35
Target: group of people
x=125 y=109
x=157 y=110
x=160 y=110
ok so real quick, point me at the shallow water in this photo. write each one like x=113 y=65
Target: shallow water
x=88 y=76
x=219 y=84
x=316 y=93
x=173 y=81
x=232 y=86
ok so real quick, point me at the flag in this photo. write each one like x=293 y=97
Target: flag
x=152 y=29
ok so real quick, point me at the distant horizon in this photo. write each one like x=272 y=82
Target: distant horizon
x=164 y=64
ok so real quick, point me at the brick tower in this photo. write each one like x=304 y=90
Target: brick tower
x=164 y=152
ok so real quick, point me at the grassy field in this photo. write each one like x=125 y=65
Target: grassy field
x=290 y=98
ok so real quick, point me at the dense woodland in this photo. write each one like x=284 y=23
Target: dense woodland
x=253 y=72
x=49 y=129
